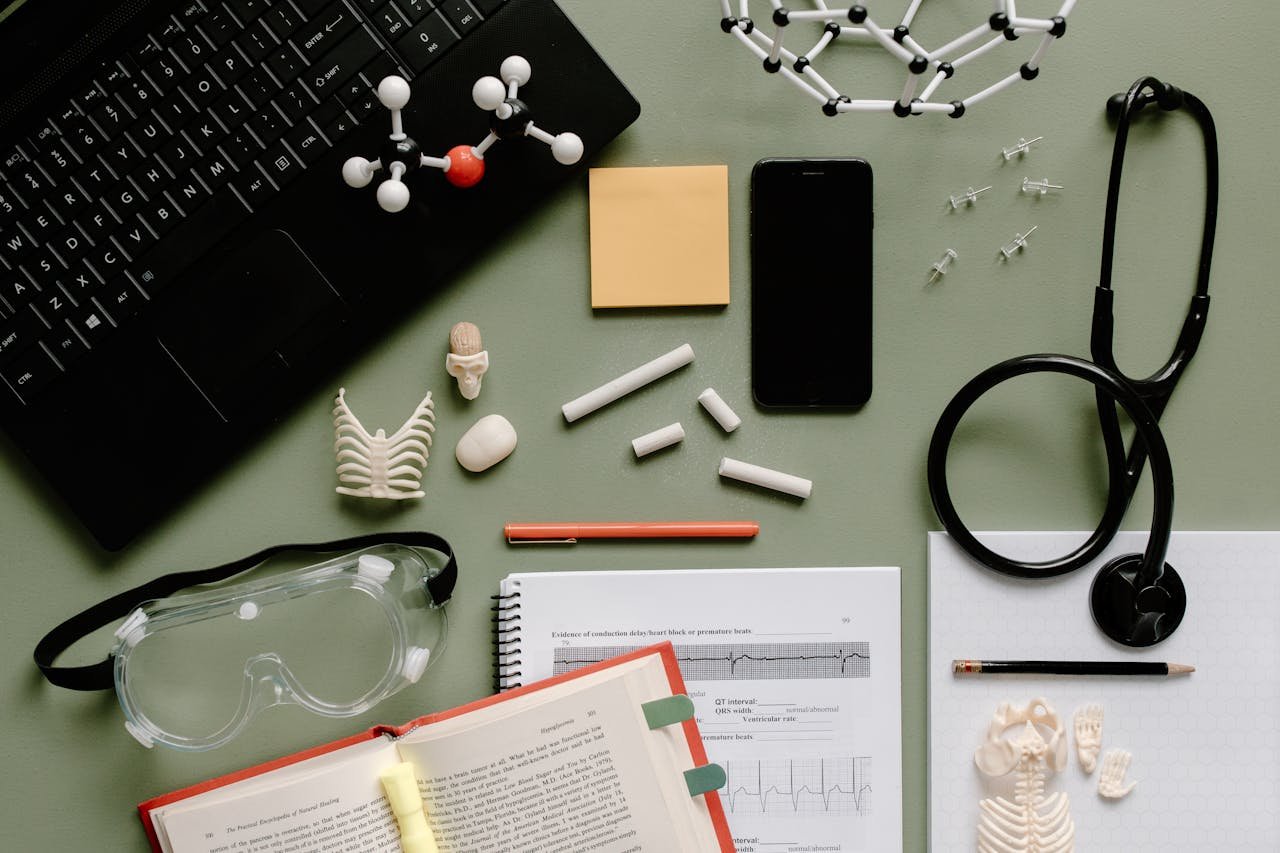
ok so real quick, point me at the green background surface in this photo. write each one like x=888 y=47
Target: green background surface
x=1028 y=457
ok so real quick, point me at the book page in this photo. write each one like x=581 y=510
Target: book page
x=795 y=675
x=332 y=805
x=571 y=770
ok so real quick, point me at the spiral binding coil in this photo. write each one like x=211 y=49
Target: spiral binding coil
x=506 y=641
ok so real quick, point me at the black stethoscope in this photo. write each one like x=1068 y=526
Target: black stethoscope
x=1136 y=599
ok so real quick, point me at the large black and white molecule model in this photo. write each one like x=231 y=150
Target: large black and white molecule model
x=512 y=118
x=462 y=165
x=399 y=155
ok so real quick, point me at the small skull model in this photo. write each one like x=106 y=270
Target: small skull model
x=466 y=361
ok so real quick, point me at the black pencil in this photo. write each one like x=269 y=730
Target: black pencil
x=1069 y=667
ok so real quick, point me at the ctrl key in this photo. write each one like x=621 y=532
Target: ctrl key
x=30 y=372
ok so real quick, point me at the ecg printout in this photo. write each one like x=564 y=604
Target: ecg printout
x=795 y=676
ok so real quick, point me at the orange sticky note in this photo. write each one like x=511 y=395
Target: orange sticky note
x=659 y=236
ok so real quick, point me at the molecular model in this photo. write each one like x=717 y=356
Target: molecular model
x=1003 y=25
x=462 y=165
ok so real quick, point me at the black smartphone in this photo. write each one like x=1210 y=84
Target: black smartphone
x=811 y=224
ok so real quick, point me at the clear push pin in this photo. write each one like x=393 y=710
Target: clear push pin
x=969 y=196
x=1040 y=187
x=1019 y=242
x=1022 y=147
x=939 y=267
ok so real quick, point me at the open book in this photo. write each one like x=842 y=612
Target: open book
x=569 y=763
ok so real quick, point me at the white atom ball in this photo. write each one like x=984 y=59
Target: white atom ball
x=356 y=172
x=567 y=148
x=516 y=68
x=488 y=93
x=393 y=91
x=393 y=196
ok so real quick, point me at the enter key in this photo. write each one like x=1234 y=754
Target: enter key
x=324 y=30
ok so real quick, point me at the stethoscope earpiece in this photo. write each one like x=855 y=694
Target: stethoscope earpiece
x=1132 y=611
x=1167 y=96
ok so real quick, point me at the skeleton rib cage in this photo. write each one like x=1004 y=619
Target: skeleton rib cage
x=378 y=465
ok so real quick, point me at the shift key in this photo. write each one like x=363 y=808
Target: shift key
x=324 y=30
x=341 y=64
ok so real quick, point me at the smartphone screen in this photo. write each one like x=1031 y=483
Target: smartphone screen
x=811 y=223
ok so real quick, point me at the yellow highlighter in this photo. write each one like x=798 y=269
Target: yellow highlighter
x=401 y=785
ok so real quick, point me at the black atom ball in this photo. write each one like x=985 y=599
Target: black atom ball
x=405 y=151
x=511 y=127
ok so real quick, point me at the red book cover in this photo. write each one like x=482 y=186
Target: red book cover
x=665 y=650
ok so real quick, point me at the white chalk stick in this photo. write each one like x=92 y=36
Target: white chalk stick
x=627 y=382
x=658 y=439
x=719 y=409
x=766 y=477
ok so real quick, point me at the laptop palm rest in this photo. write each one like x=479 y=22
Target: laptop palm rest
x=238 y=327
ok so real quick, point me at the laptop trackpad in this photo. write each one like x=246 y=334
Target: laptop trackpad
x=228 y=328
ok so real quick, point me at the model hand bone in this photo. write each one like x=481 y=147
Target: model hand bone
x=1111 y=782
x=1088 y=725
x=1032 y=822
x=466 y=362
x=462 y=165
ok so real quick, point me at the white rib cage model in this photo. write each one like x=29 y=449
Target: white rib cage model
x=382 y=466
x=1003 y=25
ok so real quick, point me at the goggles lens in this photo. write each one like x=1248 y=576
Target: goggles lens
x=329 y=638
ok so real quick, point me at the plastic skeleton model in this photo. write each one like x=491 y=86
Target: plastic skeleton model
x=462 y=165
x=378 y=465
x=1111 y=781
x=466 y=361
x=1088 y=725
x=1032 y=823
x=855 y=24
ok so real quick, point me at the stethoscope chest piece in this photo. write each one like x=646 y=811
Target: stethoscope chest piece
x=1132 y=611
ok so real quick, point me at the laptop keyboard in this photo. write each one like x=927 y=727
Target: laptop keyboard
x=177 y=142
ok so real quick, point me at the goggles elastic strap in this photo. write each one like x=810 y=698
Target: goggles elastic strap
x=99 y=676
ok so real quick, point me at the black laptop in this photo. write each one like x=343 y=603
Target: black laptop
x=180 y=259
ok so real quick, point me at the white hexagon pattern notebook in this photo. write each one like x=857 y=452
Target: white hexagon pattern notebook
x=1206 y=747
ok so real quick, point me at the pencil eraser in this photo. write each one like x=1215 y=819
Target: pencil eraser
x=490 y=440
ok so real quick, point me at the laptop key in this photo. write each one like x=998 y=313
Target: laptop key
x=282 y=20
x=29 y=373
x=390 y=22
x=461 y=15
x=121 y=299
x=149 y=134
x=414 y=10
x=191 y=13
x=427 y=42
x=19 y=332
x=98 y=221
x=40 y=223
x=281 y=165
x=487 y=7
x=90 y=323
x=219 y=27
x=43 y=266
x=285 y=63
x=341 y=64
x=178 y=154
x=206 y=133
x=168 y=33
x=11 y=206
x=192 y=49
x=232 y=109
x=70 y=244
x=296 y=102
x=28 y=178
x=135 y=238
x=306 y=142
x=215 y=171
x=229 y=65
x=259 y=88
x=54 y=304
x=202 y=87
x=161 y=215
x=57 y=161
x=253 y=187
x=381 y=66
x=66 y=344
x=324 y=30
x=151 y=178
x=164 y=72
x=256 y=42
x=241 y=148
x=248 y=10
x=80 y=281
x=109 y=115
x=338 y=128
x=107 y=260
x=16 y=288
x=268 y=125
x=122 y=155
x=311 y=7
x=14 y=246
x=139 y=96
x=329 y=109
x=175 y=111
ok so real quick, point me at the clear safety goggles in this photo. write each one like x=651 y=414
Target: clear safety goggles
x=191 y=669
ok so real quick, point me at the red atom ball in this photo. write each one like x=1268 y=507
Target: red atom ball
x=465 y=168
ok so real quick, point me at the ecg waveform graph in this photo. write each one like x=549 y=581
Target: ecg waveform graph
x=722 y=662
x=799 y=786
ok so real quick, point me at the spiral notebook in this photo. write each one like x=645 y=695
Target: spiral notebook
x=1206 y=753
x=795 y=675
